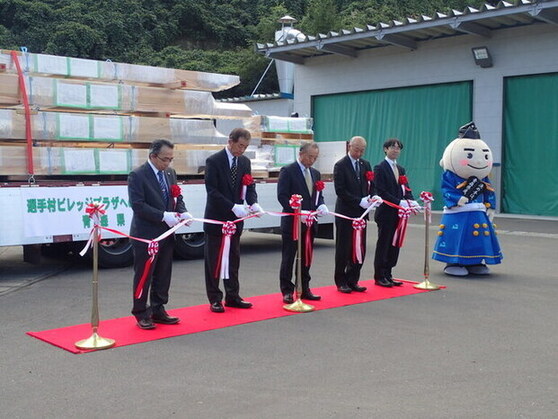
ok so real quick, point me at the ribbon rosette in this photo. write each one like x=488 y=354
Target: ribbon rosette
x=247 y=180
x=404 y=182
x=427 y=198
x=358 y=227
x=175 y=193
x=94 y=209
x=152 y=250
x=222 y=268
x=399 y=236
x=319 y=186
x=296 y=202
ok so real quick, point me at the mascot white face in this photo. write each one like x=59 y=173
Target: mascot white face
x=467 y=157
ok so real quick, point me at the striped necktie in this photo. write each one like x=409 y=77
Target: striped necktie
x=163 y=186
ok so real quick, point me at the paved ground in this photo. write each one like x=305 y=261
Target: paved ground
x=481 y=348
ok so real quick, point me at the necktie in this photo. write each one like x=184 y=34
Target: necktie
x=163 y=185
x=395 y=172
x=308 y=179
x=357 y=169
x=233 y=171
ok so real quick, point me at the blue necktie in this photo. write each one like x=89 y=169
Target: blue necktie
x=357 y=169
x=163 y=185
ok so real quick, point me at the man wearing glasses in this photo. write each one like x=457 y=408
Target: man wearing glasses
x=155 y=209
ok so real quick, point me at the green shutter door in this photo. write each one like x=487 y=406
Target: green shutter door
x=530 y=145
x=424 y=118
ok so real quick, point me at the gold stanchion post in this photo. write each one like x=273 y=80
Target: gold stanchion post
x=426 y=284
x=95 y=341
x=298 y=306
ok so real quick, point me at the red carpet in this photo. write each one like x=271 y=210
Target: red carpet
x=199 y=319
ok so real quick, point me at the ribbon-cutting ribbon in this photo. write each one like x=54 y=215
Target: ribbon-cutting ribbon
x=358 y=228
x=427 y=198
x=222 y=268
x=152 y=250
x=296 y=202
x=401 y=230
x=308 y=248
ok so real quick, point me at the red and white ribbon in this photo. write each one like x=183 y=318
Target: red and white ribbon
x=222 y=268
x=152 y=250
x=308 y=248
x=296 y=203
x=358 y=228
x=399 y=236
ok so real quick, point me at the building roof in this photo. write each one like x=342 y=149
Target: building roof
x=410 y=32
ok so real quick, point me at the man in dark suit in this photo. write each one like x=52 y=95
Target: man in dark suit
x=224 y=172
x=155 y=209
x=354 y=192
x=391 y=185
x=298 y=178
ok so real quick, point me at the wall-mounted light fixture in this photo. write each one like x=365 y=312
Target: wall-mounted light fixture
x=482 y=57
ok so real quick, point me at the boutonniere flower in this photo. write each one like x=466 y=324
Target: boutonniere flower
x=247 y=180
x=318 y=186
x=369 y=175
x=403 y=181
x=175 y=193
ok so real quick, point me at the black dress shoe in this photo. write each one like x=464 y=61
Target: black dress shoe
x=217 y=307
x=309 y=296
x=238 y=304
x=164 y=318
x=394 y=282
x=344 y=289
x=288 y=298
x=358 y=288
x=145 y=324
x=383 y=282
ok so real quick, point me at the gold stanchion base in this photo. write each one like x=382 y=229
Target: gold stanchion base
x=95 y=342
x=299 y=307
x=427 y=285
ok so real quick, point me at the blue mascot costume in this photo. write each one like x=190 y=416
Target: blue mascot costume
x=466 y=239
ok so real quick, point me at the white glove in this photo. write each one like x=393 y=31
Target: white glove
x=376 y=201
x=256 y=209
x=365 y=202
x=322 y=210
x=415 y=207
x=304 y=217
x=403 y=203
x=171 y=218
x=186 y=216
x=462 y=201
x=490 y=213
x=239 y=210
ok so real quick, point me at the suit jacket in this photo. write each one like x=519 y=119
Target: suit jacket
x=148 y=203
x=291 y=181
x=349 y=189
x=221 y=195
x=388 y=188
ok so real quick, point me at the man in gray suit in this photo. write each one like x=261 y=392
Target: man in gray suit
x=156 y=208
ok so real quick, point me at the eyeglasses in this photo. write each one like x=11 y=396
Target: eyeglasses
x=165 y=159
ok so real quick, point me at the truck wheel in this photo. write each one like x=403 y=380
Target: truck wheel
x=113 y=253
x=189 y=246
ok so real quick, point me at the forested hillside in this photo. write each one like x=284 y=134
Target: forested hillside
x=205 y=35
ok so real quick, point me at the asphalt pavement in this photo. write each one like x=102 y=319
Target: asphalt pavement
x=483 y=347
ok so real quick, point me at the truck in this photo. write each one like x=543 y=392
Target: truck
x=71 y=130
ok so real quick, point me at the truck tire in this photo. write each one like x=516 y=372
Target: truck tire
x=113 y=253
x=189 y=246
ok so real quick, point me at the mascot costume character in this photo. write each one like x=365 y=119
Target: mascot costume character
x=466 y=239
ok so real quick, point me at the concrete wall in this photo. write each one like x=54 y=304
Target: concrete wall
x=519 y=51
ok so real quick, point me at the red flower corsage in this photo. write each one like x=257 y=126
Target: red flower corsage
x=369 y=175
x=175 y=191
x=319 y=185
x=247 y=180
x=403 y=180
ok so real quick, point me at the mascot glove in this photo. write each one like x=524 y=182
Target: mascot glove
x=376 y=201
x=365 y=202
x=256 y=209
x=462 y=201
x=322 y=210
x=239 y=210
x=171 y=218
x=187 y=216
x=490 y=213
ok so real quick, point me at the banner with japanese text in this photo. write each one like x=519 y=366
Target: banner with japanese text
x=61 y=210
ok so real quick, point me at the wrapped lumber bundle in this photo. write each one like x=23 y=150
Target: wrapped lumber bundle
x=37 y=64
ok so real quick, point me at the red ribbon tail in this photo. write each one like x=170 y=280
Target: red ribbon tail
x=308 y=247
x=219 y=258
x=355 y=259
x=139 y=289
x=296 y=224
